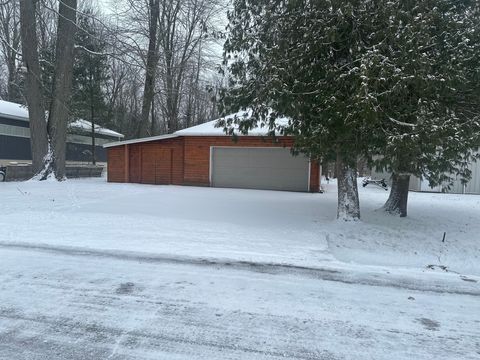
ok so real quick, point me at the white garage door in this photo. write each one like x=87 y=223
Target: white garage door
x=259 y=168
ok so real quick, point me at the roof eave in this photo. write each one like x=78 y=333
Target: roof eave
x=14 y=117
x=140 y=140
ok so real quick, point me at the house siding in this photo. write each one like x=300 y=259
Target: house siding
x=183 y=160
x=116 y=164
x=418 y=184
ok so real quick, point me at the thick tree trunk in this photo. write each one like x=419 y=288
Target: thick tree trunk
x=348 y=202
x=62 y=86
x=397 y=201
x=151 y=68
x=33 y=93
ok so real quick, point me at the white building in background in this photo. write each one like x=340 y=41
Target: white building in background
x=15 y=137
x=418 y=184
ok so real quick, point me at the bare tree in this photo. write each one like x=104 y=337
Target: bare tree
x=33 y=88
x=10 y=46
x=48 y=139
x=62 y=86
x=186 y=24
x=175 y=61
x=151 y=66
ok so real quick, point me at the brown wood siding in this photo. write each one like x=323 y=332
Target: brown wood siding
x=156 y=165
x=135 y=164
x=148 y=161
x=183 y=160
x=116 y=164
x=156 y=162
x=314 y=176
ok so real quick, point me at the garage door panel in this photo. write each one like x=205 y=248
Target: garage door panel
x=259 y=157
x=255 y=163
x=259 y=168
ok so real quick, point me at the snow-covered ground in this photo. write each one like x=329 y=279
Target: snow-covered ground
x=64 y=306
x=92 y=270
x=250 y=225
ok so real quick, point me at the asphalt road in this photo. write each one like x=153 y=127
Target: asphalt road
x=82 y=305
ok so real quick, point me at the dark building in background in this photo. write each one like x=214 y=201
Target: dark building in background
x=15 y=137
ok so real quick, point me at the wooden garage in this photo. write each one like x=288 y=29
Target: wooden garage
x=204 y=156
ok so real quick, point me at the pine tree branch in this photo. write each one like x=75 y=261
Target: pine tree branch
x=401 y=122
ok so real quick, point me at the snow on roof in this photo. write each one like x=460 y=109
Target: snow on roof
x=210 y=129
x=20 y=112
x=13 y=110
x=206 y=129
x=140 y=140
x=87 y=126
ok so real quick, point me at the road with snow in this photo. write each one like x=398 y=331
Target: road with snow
x=87 y=305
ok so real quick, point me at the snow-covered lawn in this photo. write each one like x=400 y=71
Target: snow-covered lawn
x=92 y=270
x=265 y=226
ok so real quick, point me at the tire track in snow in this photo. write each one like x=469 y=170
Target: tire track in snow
x=65 y=326
x=458 y=287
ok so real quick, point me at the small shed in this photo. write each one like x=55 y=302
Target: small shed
x=204 y=155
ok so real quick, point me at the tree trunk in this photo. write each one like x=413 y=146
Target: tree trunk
x=397 y=201
x=348 y=203
x=152 y=125
x=10 y=43
x=151 y=67
x=92 y=109
x=12 y=86
x=92 y=120
x=62 y=86
x=33 y=93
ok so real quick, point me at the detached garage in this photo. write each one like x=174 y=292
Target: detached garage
x=204 y=156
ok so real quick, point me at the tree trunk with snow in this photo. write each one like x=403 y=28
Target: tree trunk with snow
x=348 y=202
x=33 y=86
x=397 y=201
x=62 y=87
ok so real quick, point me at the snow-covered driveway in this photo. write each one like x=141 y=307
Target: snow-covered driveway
x=90 y=270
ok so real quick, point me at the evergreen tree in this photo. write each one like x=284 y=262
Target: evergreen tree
x=90 y=73
x=391 y=78
x=430 y=98
x=306 y=60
